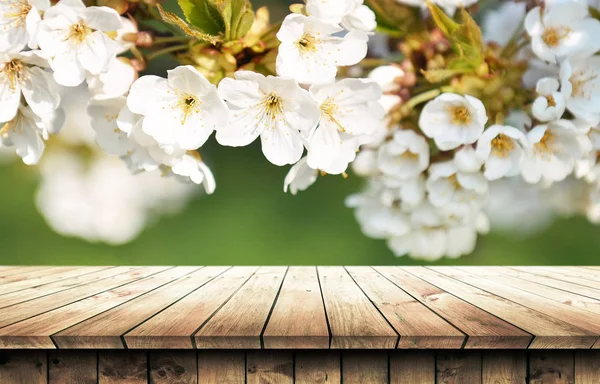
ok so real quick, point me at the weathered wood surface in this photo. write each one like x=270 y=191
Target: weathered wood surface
x=303 y=308
x=300 y=367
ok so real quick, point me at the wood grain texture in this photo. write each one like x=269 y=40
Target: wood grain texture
x=549 y=332
x=73 y=367
x=50 y=276
x=174 y=326
x=298 y=318
x=19 y=367
x=173 y=367
x=269 y=367
x=31 y=274
x=106 y=329
x=484 y=330
x=365 y=367
x=504 y=367
x=221 y=367
x=35 y=332
x=558 y=274
x=239 y=323
x=18 y=312
x=344 y=304
x=417 y=326
x=587 y=366
x=122 y=367
x=60 y=285
x=412 y=367
x=551 y=367
x=458 y=367
x=317 y=367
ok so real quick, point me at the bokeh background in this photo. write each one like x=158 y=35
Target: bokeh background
x=249 y=220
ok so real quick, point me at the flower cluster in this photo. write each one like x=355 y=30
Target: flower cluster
x=435 y=112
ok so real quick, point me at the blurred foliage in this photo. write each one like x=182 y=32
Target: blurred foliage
x=249 y=220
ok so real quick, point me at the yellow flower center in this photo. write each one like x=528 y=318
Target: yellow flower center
x=545 y=145
x=79 y=32
x=408 y=155
x=459 y=115
x=17 y=11
x=551 y=101
x=580 y=79
x=553 y=35
x=13 y=73
x=453 y=179
x=329 y=110
x=502 y=145
x=273 y=105
x=307 y=44
x=189 y=104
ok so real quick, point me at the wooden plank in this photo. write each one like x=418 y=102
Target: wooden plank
x=412 y=367
x=20 y=296
x=69 y=367
x=31 y=273
x=587 y=367
x=20 y=367
x=105 y=330
x=416 y=324
x=174 y=327
x=551 y=293
x=122 y=367
x=504 y=367
x=57 y=274
x=458 y=367
x=526 y=296
x=317 y=367
x=15 y=313
x=298 y=326
x=582 y=273
x=221 y=367
x=173 y=367
x=365 y=367
x=35 y=332
x=239 y=323
x=549 y=332
x=484 y=330
x=20 y=269
x=548 y=281
x=551 y=367
x=558 y=275
x=272 y=367
x=354 y=321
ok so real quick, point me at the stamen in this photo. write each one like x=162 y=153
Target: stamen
x=553 y=35
x=189 y=104
x=307 y=44
x=13 y=73
x=502 y=145
x=459 y=115
x=79 y=32
x=273 y=105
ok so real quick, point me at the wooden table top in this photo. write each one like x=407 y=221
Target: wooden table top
x=300 y=307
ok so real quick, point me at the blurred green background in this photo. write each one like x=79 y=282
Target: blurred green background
x=249 y=220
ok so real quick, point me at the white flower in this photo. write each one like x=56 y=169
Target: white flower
x=550 y=104
x=103 y=119
x=447 y=185
x=405 y=156
x=451 y=120
x=500 y=24
x=432 y=243
x=553 y=149
x=310 y=53
x=182 y=110
x=19 y=20
x=129 y=27
x=115 y=82
x=26 y=132
x=387 y=77
x=500 y=147
x=276 y=109
x=190 y=167
x=411 y=192
x=349 y=108
x=361 y=18
x=365 y=163
x=351 y=14
x=581 y=87
x=300 y=177
x=561 y=30
x=20 y=74
x=74 y=37
x=466 y=159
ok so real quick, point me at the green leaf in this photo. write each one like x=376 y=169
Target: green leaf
x=238 y=18
x=464 y=37
x=203 y=15
x=173 y=19
x=393 y=18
